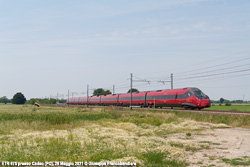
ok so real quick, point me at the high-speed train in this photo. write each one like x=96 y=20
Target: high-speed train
x=190 y=97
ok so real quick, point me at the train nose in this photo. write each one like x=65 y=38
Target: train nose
x=205 y=103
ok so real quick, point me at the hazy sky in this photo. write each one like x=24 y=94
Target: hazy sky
x=48 y=47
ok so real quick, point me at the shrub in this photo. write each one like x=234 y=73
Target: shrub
x=228 y=104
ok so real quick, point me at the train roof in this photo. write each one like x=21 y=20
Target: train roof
x=169 y=91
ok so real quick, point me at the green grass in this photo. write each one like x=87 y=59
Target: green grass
x=233 y=107
x=231 y=120
x=49 y=150
x=53 y=118
x=244 y=161
x=156 y=159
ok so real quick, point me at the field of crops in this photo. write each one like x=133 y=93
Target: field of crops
x=146 y=138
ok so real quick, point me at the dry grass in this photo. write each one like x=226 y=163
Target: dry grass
x=95 y=135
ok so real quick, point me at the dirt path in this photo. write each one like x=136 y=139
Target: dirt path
x=228 y=143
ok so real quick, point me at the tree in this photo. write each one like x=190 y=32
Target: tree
x=133 y=90
x=52 y=101
x=221 y=100
x=18 y=98
x=33 y=101
x=4 y=99
x=101 y=91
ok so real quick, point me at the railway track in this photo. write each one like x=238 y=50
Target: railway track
x=219 y=112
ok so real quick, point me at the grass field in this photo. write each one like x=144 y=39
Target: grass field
x=98 y=134
x=233 y=107
x=223 y=107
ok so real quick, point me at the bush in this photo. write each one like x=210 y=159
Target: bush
x=33 y=101
x=228 y=104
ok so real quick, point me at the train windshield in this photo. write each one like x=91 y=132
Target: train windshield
x=199 y=94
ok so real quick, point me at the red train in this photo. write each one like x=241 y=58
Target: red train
x=192 y=98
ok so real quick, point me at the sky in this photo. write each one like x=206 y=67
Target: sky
x=49 y=47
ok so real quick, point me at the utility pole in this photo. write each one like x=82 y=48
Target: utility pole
x=87 y=95
x=68 y=94
x=57 y=98
x=113 y=89
x=172 y=84
x=172 y=81
x=131 y=86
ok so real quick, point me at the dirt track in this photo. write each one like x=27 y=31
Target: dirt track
x=227 y=143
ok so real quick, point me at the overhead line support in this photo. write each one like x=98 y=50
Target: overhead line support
x=131 y=86
x=171 y=81
x=87 y=95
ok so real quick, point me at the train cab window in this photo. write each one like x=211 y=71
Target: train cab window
x=198 y=94
x=206 y=97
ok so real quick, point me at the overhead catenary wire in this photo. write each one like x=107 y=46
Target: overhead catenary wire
x=211 y=79
x=205 y=74
x=219 y=65
x=202 y=62
x=216 y=74
x=214 y=70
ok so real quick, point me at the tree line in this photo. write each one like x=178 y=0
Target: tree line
x=222 y=100
x=19 y=98
x=45 y=101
